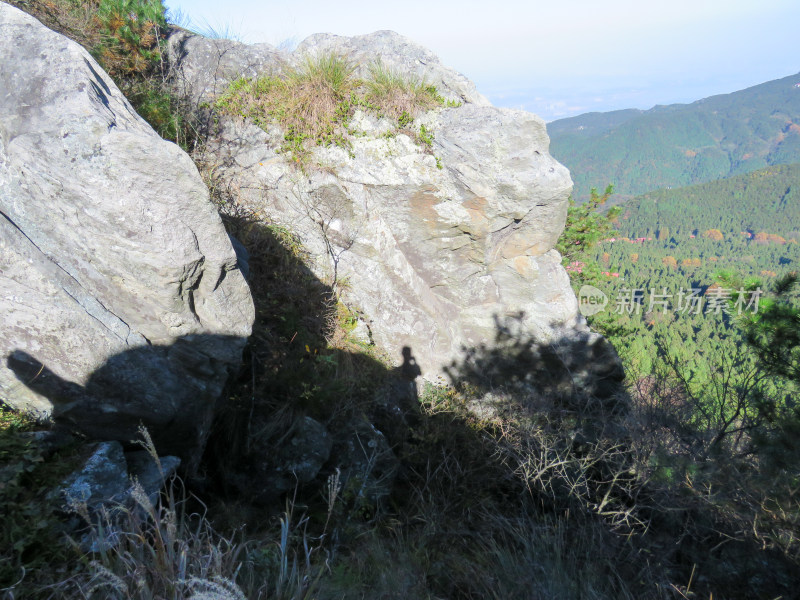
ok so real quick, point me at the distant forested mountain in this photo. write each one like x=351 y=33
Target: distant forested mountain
x=681 y=144
x=766 y=200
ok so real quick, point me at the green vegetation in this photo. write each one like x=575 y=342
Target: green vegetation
x=128 y=36
x=774 y=335
x=426 y=137
x=28 y=476
x=313 y=103
x=681 y=145
x=584 y=229
x=710 y=355
x=767 y=200
x=673 y=241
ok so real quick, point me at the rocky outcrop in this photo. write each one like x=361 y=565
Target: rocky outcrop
x=398 y=54
x=207 y=66
x=430 y=255
x=121 y=298
x=431 y=243
x=109 y=487
x=108 y=475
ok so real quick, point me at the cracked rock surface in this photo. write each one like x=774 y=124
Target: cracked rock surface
x=110 y=253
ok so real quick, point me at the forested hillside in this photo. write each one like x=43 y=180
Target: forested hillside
x=764 y=201
x=681 y=144
x=680 y=255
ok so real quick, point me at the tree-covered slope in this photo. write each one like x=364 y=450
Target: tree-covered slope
x=766 y=200
x=591 y=124
x=682 y=144
x=745 y=228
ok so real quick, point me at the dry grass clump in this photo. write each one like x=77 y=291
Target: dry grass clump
x=155 y=549
x=398 y=96
x=469 y=523
x=159 y=551
x=162 y=549
x=310 y=102
x=312 y=99
x=313 y=103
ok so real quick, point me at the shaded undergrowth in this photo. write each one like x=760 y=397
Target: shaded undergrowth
x=519 y=479
x=524 y=477
x=527 y=476
x=27 y=475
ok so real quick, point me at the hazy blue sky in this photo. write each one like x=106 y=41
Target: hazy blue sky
x=556 y=58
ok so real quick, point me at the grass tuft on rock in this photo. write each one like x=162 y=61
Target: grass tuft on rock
x=398 y=96
x=314 y=102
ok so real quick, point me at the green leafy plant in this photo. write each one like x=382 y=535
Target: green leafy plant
x=426 y=137
x=405 y=119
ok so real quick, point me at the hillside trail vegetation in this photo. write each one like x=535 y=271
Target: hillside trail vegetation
x=706 y=321
x=505 y=481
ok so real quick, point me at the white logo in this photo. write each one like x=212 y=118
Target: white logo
x=591 y=300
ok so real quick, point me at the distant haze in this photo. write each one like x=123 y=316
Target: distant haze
x=559 y=58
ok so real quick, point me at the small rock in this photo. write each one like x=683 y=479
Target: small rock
x=101 y=480
x=367 y=464
x=308 y=448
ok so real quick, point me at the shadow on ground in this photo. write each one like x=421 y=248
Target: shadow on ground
x=521 y=479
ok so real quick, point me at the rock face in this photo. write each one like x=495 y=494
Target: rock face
x=214 y=63
x=110 y=253
x=107 y=477
x=430 y=243
x=109 y=486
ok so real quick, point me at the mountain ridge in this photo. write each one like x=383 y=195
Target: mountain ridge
x=677 y=145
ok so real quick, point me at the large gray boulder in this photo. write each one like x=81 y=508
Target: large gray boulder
x=431 y=244
x=430 y=255
x=207 y=66
x=110 y=253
